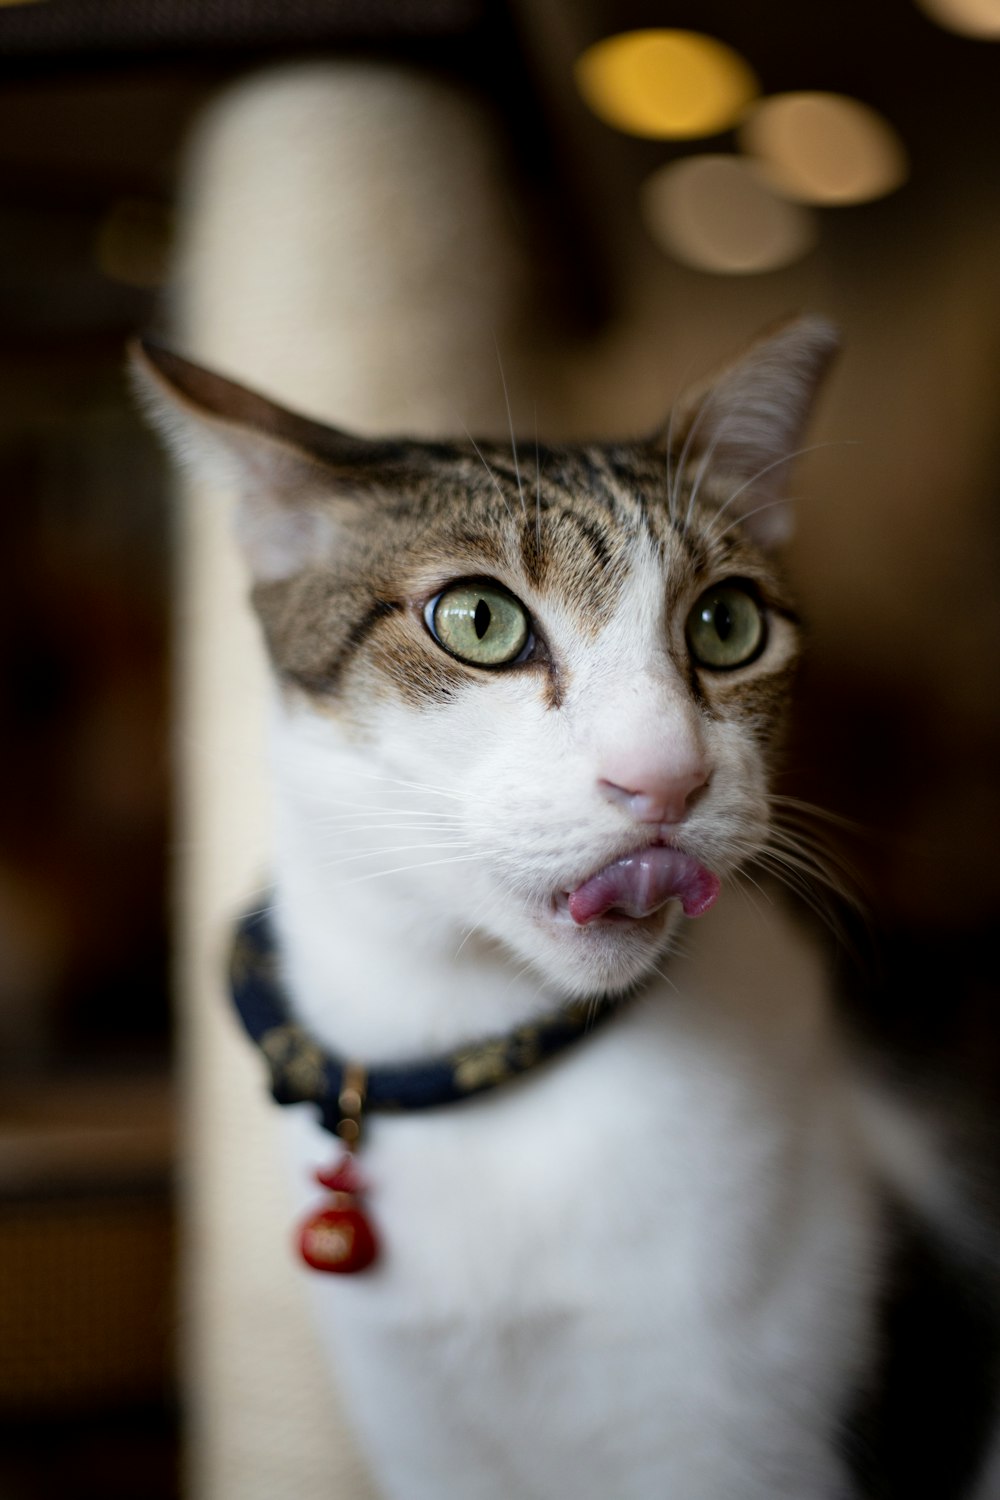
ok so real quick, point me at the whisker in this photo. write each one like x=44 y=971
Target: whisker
x=808 y=844
x=538 y=492
x=748 y=515
x=801 y=889
x=703 y=406
x=349 y=820
x=803 y=864
x=673 y=486
x=510 y=427
x=671 y=498
x=392 y=828
x=264 y=897
x=801 y=881
x=744 y=875
x=706 y=459
x=395 y=809
x=496 y=482
x=801 y=844
x=796 y=805
x=776 y=463
x=380 y=776
x=376 y=852
x=808 y=870
x=739 y=884
x=413 y=786
x=662 y=974
x=474 y=926
x=428 y=864
x=328 y=816
x=524 y=968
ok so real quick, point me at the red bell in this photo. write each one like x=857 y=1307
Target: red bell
x=338 y=1238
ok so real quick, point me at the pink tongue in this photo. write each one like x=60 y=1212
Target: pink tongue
x=640 y=883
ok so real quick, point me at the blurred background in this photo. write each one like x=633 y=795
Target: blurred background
x=676 y=176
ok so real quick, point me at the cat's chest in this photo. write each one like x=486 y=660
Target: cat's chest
x=621 y=1230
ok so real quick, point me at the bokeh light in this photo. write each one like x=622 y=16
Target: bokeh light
x=978 y=18
x=824 y=148
x=665 y=85
x=716 y=213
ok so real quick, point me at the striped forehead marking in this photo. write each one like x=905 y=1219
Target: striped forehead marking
x=571 y=529
x=610 y=497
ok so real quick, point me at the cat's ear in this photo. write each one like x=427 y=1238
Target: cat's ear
x=745 y=424
x=293 y=477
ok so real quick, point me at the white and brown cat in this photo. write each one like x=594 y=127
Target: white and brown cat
x=525 y=725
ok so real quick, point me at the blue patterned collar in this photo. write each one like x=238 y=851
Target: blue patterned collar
x=302 y=1071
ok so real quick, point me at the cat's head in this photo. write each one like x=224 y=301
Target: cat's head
x=534 y=693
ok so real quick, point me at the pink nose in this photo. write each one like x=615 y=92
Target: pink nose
x=660 y=795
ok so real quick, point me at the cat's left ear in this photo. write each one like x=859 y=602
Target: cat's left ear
x=297 y=481
x=745 y=425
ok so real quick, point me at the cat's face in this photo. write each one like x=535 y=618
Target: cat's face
x=570 y=682
x=538 y=703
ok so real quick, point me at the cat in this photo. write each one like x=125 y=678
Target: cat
x=526 y=723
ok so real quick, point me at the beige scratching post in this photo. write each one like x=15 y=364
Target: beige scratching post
x=346 y=246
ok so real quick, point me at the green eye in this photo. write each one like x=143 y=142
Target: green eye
x=725 y=628
x=479 y=623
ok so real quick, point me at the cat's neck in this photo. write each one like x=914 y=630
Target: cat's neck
x=374 y=974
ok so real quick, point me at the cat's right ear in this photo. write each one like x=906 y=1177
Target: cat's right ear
x=295 y=479
x=748 y=422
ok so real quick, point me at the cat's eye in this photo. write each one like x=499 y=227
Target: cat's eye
x=480 y=623
x=726 y=627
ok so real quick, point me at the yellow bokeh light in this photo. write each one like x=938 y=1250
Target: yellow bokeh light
x=665 y=85
x=978 y=18
x=715 y=213
x=824 y=148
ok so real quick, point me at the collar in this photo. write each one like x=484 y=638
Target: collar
x=302 y=1071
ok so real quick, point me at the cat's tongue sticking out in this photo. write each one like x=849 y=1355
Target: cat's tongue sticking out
x=640 y=883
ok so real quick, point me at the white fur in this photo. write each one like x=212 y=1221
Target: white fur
x=647 y=1270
